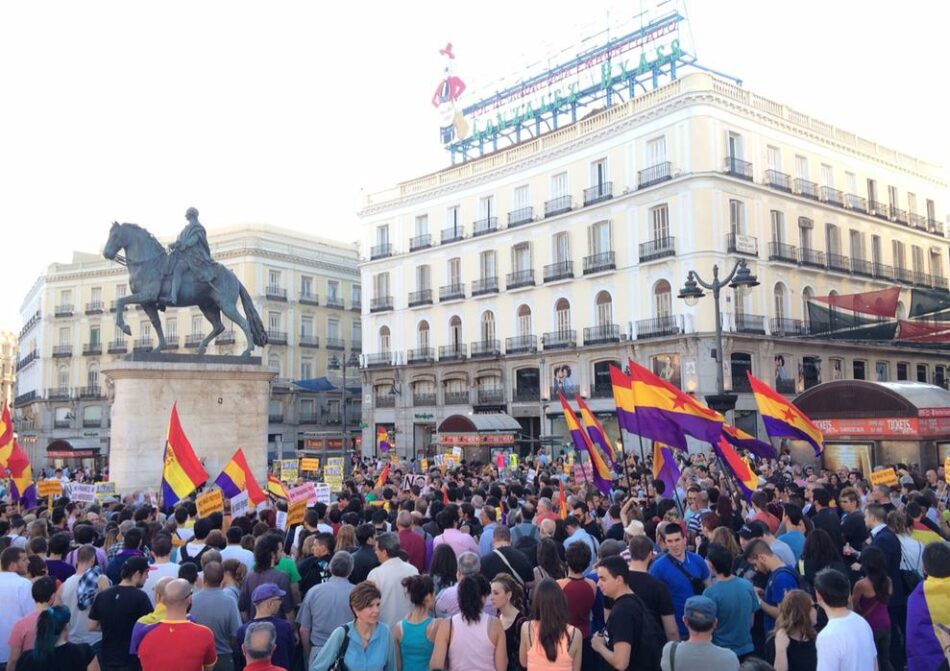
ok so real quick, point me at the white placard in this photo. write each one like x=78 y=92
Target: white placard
x=83 y=493
x=411 y=479
x=240 y=504
x=281 y=521
x=322 y=491
x=457 y=451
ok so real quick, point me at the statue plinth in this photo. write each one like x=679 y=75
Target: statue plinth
x=222 y=406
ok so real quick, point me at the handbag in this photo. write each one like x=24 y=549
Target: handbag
x=338 y=663
x=698 y=585
x=909 y=577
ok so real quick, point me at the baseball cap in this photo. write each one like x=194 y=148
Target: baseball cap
x=700 y=610
x=265 y=591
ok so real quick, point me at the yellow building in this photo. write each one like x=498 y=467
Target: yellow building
x=492 y=282
x=8 y=362
x=305 y=288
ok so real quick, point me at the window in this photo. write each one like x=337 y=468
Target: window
x=917 y=258
x=598 y=238
x=95 y=335
x=562 y=315
x=872 y=190
x=488 y=326
x=602 y=383
x=306 y=369
x=422 y=224
x=859 y=370
x=851 y=183
x=486 y=264
x=808 y=294
x=837 y=368
x=422 y=335
x=739 y=364
x=832 y=239
x=198 y=320
x=65 y=297
x=663 y=300
x=306 y=286
x=95 y=295
x=901 y=370
x=562 y=248
x=381 y=285
x=171 y=328
x=881 y=371
x=811 y=371
x=273 y=361
x=356 y=294
x=92 y=377
x=120 y=290
x=454 y=271
x=778 y=226
x=780 y=296
x=333 y=290
x=940 y=376
x=605 y=313
x=385 y=342
x=922 y=372
x=306 y=326
x=423 y=275
x=801 y=167
x=521 y=257
x=527 y=380
x=273 y=279
x=65 y=336
x=936 y=263
x=62 y=377
x=660 y=218
x=931 y=210
x=805 y=227
x=273 y=322
x=521 y=197
x=897 y=249
x=357 y=333
x=382 y=234
x=827 y=176
x=452 y=217
x=486 y=207
x=911 y=204
x=892 y=196
x=876 y=249
x=598 y=174
x=735 y=145
x=558 y=185
x=524 y=321
x=773 y=158
x=736 y=217
x=333 y=329
x=656 y=151
x=455 y=332
x=857 y=245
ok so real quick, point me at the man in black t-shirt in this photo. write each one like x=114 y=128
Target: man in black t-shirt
x=505 y=559
x=115 y=611
x=654 y=593
x=625 y=644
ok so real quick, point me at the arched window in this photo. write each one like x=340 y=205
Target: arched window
x=488 y=326
x=385 y=340
x=455 y=332
x=605 y=311
x=92 y=377
x=663 y=300
x=779 y=297
x=423 y=335
x=62 y=377
x=524 y=321
x=562 y=315
x=808 y=294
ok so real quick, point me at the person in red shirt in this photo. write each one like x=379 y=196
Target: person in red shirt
x=260 y=641
x=413 y=543
x=760 y=504
x=176 y=643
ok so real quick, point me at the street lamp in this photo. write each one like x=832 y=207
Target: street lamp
x=740 y=277
x=335 y=363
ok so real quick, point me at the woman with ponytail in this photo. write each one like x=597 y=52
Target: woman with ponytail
x=548 y=642
x=52 y=651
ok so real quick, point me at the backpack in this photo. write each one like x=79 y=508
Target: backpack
x=799 y=581
x=527 y=544
x=183 y=557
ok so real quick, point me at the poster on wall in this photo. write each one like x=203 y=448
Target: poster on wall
x=784 y=382
x=853 y=456
x=667 y=367
x=562 y=376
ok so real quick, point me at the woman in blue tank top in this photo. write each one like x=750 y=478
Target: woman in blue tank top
x=415 y=635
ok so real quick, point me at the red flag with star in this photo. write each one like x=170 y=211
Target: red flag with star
x=782 y=419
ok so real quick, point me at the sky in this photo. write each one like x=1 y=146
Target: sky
x=285 y=113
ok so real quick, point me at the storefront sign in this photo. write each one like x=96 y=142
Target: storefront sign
x=886 y=476
x=885 y=427
x=72 y=454
x=475 y=439
x=210 y=502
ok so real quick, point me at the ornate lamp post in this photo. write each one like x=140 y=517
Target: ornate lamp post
x=336 y=363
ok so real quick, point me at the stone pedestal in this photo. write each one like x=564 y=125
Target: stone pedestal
x=222 y=406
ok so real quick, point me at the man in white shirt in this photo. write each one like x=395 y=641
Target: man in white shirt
x=847 y=642
x=395 y=604
x=163 y=566
x=234 y=550
x=15 y=595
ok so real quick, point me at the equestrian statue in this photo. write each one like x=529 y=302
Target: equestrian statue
x=184 y=275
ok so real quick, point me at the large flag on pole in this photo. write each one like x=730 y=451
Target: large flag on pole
x=22 y=487
x=183 y=473
x=383 y=475
x=6 y=437
x=665 y=469
x=737 y=468
x=596 y=432
x=782 y=419
x=237 y=477
x=623 y=400
x=275 y=487
x=745 y=441
x=602 y=474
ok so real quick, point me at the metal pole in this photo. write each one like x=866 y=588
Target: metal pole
x=345 y=445
x=716 y=285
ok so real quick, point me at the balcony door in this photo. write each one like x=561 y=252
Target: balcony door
x=524 y=321
x=656 y=151
x=562 y=315
x=605 y=311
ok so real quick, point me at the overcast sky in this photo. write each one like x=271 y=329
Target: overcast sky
x=282 y=112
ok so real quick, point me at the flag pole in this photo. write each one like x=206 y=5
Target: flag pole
x=580 y=460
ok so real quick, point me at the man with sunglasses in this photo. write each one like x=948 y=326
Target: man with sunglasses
x=176 y=642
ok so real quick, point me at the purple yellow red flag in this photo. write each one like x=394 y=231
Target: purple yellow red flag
x=237 y=477
x=745 y=441
x=22 y=487
x=275 y=487
x=782 y=419
x=382 y=439
x=596 y=432
x=737 y=467
x=623 y=400
x=664 y=467
x=927 y=607
x=383 y=476
x=6 y=437
x=562 y=500
x=603 y=477
x=182 y=473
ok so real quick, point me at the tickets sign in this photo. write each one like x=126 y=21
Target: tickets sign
x=885 y=476
x=210 y=502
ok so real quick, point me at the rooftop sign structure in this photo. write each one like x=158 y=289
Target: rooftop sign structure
x=608 y=74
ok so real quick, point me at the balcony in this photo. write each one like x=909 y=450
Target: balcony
x=856 y=202
x=485 y=349
x=738 y=168
x=59 y=394
x=275 y=417
x=63 y=311
x=599 y=335
x=832 y=196
x=24 y=398
x=335 y=302
x=92 y=423
x=421 y=355
x=423 y=297
x=746 y=323
x=778 y=180
x=142 y=344
x=194 y=339
x=659 y=326
x=62 y=424
x=62 y=351
x=522 y=215
x=903 y=275
x=457 y=398
x=118 y=346
x=811 y=257
x=92 y=349
x=879 y=210
x=95 y=308
x=917 y=221
x=379 y=359
x=381 y=251
x=226 y=338
x=521 y=344
x=112 y=305
x=935 y=227
x=598 y=193
x=519 y=279
x=336 y=343
x=737 y=243
x=598 y=263
x=334 y=418
x=307 y=418
x=492 y=395
x=486 y=285
x=921 y=279
x=451 y=292
x=779 y=251
x=527 y=395
x=786 y=327
x=27 y=360
x=484 y=226
x=356 y=345
x=308 y=298
x=356 y=305
x=657 y=249
x=839 y=262
x=387 y=401
x=562 y=270
x=882 y=272
x=275 y=337
x=308 y=340
x=452 y=352
x=557 y=206
x=423 y=399
x=655 y=174
x=276 y=293
x=602 y=390
x=806 y=189
x=171 y=341
x=453 y=234
x=862 y=267
x=90 y=392
x=898 y=215
x=565 y=339
x=423 y=241
x=939 y=282
x=381 y=304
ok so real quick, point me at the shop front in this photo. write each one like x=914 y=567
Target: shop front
x=866 y=424
x=74 y=454
x=479 y=437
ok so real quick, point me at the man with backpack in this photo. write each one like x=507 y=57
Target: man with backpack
x=782 y=579
x=631 y=640
x=192 y=552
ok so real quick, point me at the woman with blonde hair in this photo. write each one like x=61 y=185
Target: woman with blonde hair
x=724 y=536
x=791 y=646
x=234 y=573
x=346 y=538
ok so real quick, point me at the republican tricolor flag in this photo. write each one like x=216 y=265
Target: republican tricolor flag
x=237 y=477
x=598 y=437
x=382 y=439
x=383 y=475
x=603 y=477
x=782 y=419
x=737 y=467
x=275 y=487
x=6 y=437
x=182 y=473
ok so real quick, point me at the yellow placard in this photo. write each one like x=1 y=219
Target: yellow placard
x=49 y=487
x=425 y=464
x=210 y=502
x=395 y=459
x=885 y=476
x=295 y=512
x=310 y=464
x=946 y=470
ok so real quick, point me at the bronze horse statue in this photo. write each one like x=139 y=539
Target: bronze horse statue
x=150 y=286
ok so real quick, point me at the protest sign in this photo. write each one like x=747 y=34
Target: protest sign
x=240 y=504
x=310 y=464
x=457 y=452
x=49 y=487
x=104 y=490
x=288 y=470
x=82 y=493
x=304 y=492
x=295 y=512
x=281 y=521
x=322 y=491
x=885 y=476
x=500 y=461
x=411 y=479
x=210 y=502
x=512 y=461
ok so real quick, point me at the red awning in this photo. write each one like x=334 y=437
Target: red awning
x=882 y=303
x=924 y=332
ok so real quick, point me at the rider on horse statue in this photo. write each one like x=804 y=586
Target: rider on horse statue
x=192 y=248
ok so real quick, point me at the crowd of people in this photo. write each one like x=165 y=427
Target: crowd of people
x=481 y=570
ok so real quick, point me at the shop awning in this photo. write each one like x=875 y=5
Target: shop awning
x=323 y=384
x=494 y=422
x=64 y=449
